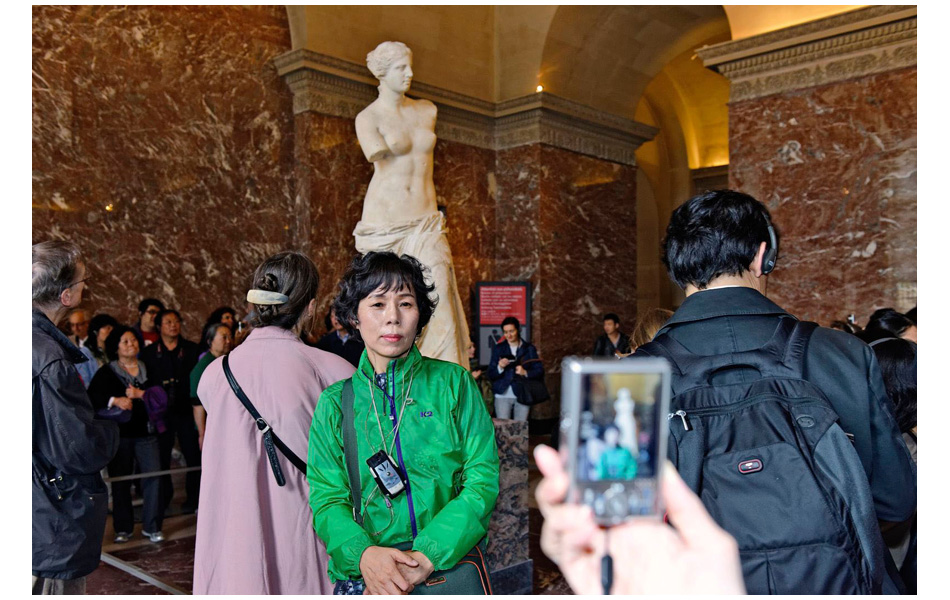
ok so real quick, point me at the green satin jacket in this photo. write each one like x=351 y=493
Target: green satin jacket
x=446 y=441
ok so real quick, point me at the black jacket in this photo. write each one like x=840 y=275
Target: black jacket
x=727 y=320
x=351 y=349
x=171 y=369
x=70 y=447
x=106 y=384
x=604 y=347
x=526 y=355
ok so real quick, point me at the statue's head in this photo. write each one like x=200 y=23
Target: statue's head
x=388 y=55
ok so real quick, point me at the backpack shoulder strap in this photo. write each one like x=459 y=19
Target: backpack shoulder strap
x=781 y=356
x=271 y=439
x=350 y=449
x=797 y=345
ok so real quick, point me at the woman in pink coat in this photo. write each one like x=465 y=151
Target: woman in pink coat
x=255 y=536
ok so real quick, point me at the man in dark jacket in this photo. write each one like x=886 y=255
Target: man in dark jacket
x=70 y=446
x=720 y=247
x=613 y=343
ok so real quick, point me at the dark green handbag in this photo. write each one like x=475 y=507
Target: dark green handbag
x=468 y=577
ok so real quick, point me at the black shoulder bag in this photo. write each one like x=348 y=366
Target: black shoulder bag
x=468 y=577
x=270 y=437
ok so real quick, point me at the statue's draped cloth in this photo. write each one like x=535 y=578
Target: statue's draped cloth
x=446 y=336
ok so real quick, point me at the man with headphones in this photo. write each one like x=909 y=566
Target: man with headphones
x=782 y=428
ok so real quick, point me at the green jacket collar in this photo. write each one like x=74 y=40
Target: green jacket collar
x=404 y=365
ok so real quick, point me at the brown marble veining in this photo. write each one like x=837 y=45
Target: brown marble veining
x=837 y=166
x=163 y=145
x=567 y=223
x=508 y=529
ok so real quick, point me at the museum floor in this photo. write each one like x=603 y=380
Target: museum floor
x=171 y=561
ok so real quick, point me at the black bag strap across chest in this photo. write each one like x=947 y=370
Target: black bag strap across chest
x=782 y=356
x=350 y=449
x=271 y=439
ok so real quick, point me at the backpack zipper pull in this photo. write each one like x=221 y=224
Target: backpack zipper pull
x=682 y=415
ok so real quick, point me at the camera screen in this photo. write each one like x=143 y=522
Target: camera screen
x=618 y=437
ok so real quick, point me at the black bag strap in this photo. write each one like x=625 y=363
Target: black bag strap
x=782 y=356
x=271 y=439
x=350 y=449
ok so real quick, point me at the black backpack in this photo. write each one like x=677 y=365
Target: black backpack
x=774 y=468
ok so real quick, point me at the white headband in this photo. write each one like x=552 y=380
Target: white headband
x=264 y=297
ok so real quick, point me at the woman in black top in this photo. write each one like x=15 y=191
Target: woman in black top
x=122 y=384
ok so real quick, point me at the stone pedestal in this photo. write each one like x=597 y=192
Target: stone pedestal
x=508 y=531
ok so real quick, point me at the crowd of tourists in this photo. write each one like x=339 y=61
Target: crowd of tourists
x=348 y=463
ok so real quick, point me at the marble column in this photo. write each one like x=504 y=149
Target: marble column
x=162 y=146
x=823 y=129
x=567 y=223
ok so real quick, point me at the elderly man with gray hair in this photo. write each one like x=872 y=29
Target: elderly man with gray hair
x=70 y=446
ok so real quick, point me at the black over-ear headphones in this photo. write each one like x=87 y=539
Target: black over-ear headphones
x=771 y=251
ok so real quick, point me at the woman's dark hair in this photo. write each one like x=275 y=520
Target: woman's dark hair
x=95 y=324
x=898 y=360
x=912 y=315
x=511 y=321
x=112 y=342
x=211 y=330
x=886 y=322
x=292 y=274
x=715 y=233
x=218 y=314
x=375 y=270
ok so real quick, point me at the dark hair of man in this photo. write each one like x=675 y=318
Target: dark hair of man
x=912 y=315
x=511 y=321
x=612 y=317
x=898 y=360
x=54 y=269
x=218 y=315
x=327 y=321
x=292 y=274
x=144 y=304
x=387 y=272
x=112 y=342
x=210 y=331
x=95 y=324
x=890 y=321
x=713 y=234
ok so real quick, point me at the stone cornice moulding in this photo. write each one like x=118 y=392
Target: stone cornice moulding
x=853 y=44
x=339 y=88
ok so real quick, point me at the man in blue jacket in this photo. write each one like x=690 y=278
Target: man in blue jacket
x=70 y=446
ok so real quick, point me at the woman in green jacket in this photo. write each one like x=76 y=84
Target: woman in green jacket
x=427 y=416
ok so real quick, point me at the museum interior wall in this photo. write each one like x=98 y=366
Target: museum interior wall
x=823 y=129
x=163 y=145
x=179 y=146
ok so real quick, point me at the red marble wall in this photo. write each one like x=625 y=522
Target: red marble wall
x=567 y=223
x=176 y=118
x=837 y=166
